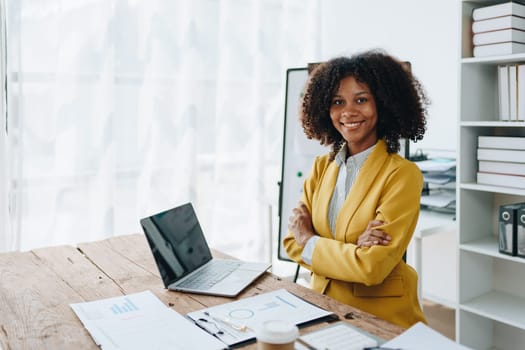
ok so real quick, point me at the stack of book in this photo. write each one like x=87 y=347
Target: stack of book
x=499 y=29
x=501 y=161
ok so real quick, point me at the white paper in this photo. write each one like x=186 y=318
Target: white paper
x=437 y=164
x=250 y=313
x=439 y=199
x=141 y=321
x=438 y=178
x=420 y=336
x=339 y=336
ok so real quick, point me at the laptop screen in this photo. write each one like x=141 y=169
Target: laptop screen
x=176 y=241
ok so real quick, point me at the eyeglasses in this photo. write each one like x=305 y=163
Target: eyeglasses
x=210 y=326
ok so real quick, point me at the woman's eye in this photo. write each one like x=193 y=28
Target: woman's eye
x=361 y=100
x=337 y=102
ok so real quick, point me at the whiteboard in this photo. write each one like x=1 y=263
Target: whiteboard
x=298 y=154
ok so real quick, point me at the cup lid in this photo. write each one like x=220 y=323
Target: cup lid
x=277 y=332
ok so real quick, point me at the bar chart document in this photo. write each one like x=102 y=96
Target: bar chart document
x=141 y=321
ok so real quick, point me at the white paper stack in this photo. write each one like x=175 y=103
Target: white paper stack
x=439 y=175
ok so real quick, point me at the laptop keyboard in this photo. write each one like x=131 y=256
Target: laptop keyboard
x=210 y=275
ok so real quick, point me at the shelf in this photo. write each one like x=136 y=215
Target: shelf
x=491 y=314
x=494 y=59
x=492 y=124
x=488 y=188
x=489 y=246
x=502 y=307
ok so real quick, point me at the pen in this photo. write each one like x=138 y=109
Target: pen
x=228 y=322
x=380 y=348
x=308 y=346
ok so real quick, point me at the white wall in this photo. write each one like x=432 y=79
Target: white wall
x=426 y=33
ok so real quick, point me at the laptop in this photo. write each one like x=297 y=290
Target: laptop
x=184 y=259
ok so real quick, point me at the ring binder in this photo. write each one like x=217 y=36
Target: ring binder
x=508 y=228
x=520 y=234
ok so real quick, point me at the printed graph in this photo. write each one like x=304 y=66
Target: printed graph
x=125 y=307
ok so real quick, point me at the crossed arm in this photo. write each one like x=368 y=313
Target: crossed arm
x=300 y=225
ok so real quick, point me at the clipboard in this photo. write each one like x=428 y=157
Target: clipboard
x=235 y=323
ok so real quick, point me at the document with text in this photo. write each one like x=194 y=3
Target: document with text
x=141 y=321
x=236 y=322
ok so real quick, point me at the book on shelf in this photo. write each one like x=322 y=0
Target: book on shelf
x=513 y=92
x=502 y=142
x=508 y=168
x=507 y=48
x=503 y=91
x=498 y=23
x=501 y=155
x=498 y=10
x=499 y=36
x=502 y=180
x=521 y=92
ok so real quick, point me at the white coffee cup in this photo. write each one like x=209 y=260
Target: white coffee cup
x=277 y=335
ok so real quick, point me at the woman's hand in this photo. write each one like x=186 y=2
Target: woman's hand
x=372 y=236
x=300 y=224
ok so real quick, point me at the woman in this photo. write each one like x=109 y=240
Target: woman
x=360 y=203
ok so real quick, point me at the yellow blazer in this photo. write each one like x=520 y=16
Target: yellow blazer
x=376 y=279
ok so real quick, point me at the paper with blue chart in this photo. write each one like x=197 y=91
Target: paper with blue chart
x=141 y=321
x=235 y=322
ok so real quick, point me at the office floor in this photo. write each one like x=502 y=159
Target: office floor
x=440 y=318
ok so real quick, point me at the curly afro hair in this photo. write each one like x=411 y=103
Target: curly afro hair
x=401 y=101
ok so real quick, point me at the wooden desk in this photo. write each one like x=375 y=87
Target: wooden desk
x=36 y=288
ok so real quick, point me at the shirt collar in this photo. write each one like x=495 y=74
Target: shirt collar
x=357 y=159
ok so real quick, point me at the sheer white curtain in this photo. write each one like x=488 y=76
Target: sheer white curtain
x=4 y=214
x=121 y=108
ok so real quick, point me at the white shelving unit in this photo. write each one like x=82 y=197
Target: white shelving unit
x=491 y=286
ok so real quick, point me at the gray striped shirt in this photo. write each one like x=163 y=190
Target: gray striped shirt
x=345 y=179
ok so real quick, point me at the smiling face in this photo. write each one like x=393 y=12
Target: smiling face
x=354 y=114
